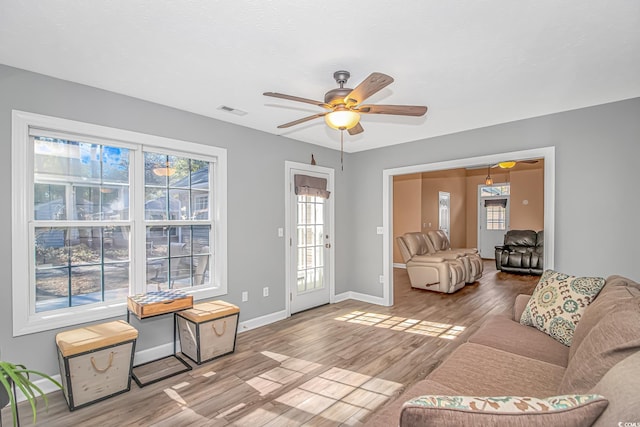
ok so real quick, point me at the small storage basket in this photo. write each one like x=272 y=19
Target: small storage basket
x=96 y=362
x=208 y=330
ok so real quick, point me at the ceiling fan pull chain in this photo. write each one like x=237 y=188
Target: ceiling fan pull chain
x=341 y=149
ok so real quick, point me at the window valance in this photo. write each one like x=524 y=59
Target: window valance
x=306 y=185
x=495 y=202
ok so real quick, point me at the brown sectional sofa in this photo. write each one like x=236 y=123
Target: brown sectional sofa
x=505 y=358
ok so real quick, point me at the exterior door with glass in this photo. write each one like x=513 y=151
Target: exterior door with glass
x=309 y=278
x=493 y=218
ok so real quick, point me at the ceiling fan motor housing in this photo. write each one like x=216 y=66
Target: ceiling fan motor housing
x=336 y=96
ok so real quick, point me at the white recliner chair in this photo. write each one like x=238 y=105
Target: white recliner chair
x=439 y=245
x=431 y=272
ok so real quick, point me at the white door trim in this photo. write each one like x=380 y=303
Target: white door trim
x=547 y=153
x=289 y=234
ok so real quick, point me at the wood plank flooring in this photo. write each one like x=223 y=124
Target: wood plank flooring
x=330 y=366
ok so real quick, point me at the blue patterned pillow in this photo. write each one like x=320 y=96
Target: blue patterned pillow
x=558 y=302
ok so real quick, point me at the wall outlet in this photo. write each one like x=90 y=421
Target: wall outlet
x=379 y=230
x=280 y=232
x=245 y=296
x=265 y=291
x=381 y=279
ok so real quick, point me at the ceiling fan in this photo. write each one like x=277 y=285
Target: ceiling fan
x=345 y=105
x=511 y=163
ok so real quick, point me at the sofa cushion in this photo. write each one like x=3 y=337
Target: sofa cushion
x=557 y=303
x=617 y=289
x=520 y=238
x=477 y=370
x=615 y=337
x=572 y=410
x=505 y=334
x=620 y=385
x=439 y=241
x=389 y=415
x=416 y=243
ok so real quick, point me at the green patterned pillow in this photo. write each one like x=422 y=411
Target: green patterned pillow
x=567 y=410
x=558 y=302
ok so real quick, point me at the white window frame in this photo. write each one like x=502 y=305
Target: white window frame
x=25 y=319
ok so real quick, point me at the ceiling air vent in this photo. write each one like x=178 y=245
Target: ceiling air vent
x=232 y=110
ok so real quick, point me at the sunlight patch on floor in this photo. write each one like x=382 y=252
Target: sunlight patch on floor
x=396 y=323
x=337 y=395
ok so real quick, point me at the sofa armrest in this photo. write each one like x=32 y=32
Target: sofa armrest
x=519 y=306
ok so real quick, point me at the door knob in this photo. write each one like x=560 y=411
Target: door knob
x=327 y=245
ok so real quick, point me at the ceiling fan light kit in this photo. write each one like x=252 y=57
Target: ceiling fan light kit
x=342 y=119
x=345 y=104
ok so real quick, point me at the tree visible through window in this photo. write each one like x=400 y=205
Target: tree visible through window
x=101 y=213
x=82 y=227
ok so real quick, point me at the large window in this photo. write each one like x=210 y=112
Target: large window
x=101 y=213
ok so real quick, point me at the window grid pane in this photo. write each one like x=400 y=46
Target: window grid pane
x=310 y=220
x=496 y=218
x=77 y=181
x=80 y=265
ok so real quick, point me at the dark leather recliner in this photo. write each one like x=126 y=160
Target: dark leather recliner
x=522 y=252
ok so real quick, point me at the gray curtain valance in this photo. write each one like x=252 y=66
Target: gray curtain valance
x=306 y=185
x=495 y=202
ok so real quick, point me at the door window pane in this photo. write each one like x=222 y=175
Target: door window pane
x=496 y=218
x=310 y=220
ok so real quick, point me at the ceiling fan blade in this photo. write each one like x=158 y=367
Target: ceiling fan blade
x=503 y=166
x=370 y=85
x=356 y=129
x=297 y=99
x=398 y=110
x=302 y=120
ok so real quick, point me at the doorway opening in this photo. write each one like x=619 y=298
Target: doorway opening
x=547 y=154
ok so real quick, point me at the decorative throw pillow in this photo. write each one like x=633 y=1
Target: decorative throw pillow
x=567 y=410
x=557 y=303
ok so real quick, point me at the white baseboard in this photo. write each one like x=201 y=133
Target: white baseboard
x=45 y=385
x=398 y=265
x=359 y=297
x=154 y=353
x=341 y=297
x=256 y=322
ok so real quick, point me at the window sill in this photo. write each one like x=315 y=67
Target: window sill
x=75 y=316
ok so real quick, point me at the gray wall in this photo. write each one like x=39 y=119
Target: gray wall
x=256 y=256
x=597 y=176
x=596 y=197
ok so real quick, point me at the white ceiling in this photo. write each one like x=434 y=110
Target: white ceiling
x=473 y=63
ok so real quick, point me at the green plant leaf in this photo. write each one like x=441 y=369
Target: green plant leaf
x=19 y=375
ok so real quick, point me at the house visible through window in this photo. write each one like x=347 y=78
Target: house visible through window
x=178 y=230
x=91 y=201
x=81 y=223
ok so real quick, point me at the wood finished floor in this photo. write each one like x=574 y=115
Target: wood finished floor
x=330 y=366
